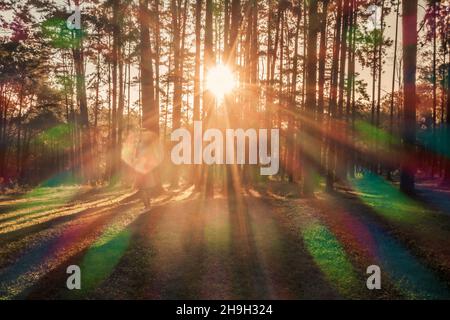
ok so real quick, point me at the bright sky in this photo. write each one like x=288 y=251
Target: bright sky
x=386 y=79
x=365 y=73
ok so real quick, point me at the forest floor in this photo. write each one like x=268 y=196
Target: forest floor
x=263 y=244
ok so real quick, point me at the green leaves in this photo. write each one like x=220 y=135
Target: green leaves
x=59 y=36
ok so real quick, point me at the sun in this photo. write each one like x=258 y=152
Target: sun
x=220 y=81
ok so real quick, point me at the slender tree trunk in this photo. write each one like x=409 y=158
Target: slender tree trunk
x=198 y=26
x=157 y=67
x=310 y=145
x=331 y=163
x=409 y=95
x=322 y=59
x=292 y=125
x=378 y=167
x=268 y=89
x=380 y=64
x=341 y=171
x=197 y=89
x=433 y=158
x=115 y=66
x=233 y=117
x=207 y=173
x=150 y=118
x=226 y=30
x=120 y=105
x=394 y=70
x=446 y=180
x=19 y=130
x=350 y=84
x=85 y=155
x=177 y=76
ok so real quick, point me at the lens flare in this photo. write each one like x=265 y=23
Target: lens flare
x=220 y=81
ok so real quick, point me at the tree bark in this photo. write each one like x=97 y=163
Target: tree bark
x=310 y=146
x=409 y=95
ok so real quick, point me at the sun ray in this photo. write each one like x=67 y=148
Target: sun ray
x=220 y=81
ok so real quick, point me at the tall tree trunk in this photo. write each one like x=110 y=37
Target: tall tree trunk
x=292 y=120
x=268 y=88
x=197 y=89
x=226 y=30
x=121 y=103
x=310 y=144
x=353 y=111
x=409 y=94
x=350 y=80
x=380 y=64
x=233 y=117
x=78 y=59
x=157 y=50
x=394 y=70
x=322 y=59
x=115 y=66
x=150 y=118
x=234 y=30
x=198 y=26
x=321 y=71
x=177 y=76
x=331 y=163
x=207 y=173
x=433 y=158
x=19 y=130
x=341 y=170
x=446 y=180
x=378 y=167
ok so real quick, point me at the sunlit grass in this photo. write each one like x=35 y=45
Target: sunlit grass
x=104 y=254
x=43 y=204
x=102 y=258
x=387 y=200
x=37 y=200
x=331 y=258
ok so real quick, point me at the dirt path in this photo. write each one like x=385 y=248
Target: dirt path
x=255 y=246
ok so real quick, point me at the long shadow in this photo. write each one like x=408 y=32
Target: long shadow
x=186 y=282
x=436 y=198
x=182 y=276
x=131 y=278
x=146 y=272
x=133 y=269
x=299 y=270
x=113 y=266
x=51 y=283
x=137 y=273
x=18 y=234
x=249 y=281
x=33 y=198
x=409 y=266
x=57 y=204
